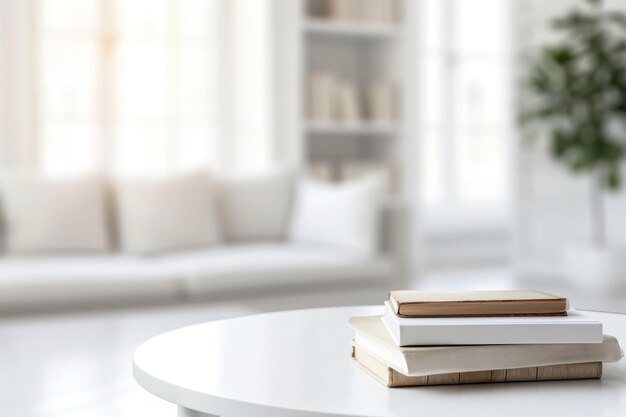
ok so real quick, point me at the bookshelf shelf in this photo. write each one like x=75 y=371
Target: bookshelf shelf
x=351 y=29
x=364 y=129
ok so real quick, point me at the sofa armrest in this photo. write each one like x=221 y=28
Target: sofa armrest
x=397 y=237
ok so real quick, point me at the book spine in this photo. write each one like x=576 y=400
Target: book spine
x=392 y=378
x=393 y=329
x=592 y=370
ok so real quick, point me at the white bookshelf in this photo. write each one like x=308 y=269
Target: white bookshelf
x=361 y=53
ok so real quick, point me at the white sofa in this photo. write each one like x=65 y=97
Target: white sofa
x=68 y=280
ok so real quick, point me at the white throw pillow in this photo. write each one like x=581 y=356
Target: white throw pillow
x=257 y=207
x=43 y=214
x=168 y=213
x=344 y=215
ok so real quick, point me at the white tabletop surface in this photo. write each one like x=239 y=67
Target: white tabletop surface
x=297 y=363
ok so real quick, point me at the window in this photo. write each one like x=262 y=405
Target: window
x=129 y=86
x=465 y=103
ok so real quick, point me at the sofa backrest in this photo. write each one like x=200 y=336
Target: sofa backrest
x=253 y=208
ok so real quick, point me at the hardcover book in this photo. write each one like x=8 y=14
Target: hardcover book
x=392 y=378
x=371 y=334
x=477 y=303
x=573 y=328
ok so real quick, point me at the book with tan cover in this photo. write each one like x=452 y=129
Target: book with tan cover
x=409 y=303
x=392 y=378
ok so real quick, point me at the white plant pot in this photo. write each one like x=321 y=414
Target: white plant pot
x=596 y=269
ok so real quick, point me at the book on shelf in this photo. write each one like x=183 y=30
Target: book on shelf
x=322 y=96
x=380 y=101
x=361 y=11
x=318 y=9
x=322 y=171
x=392 y=378
x=332 y=99
x=476 y=303
x=348 y=104
x=379 y=11
x=345 y=10
x=573 y=328
x=336 y=101
x=371 y=334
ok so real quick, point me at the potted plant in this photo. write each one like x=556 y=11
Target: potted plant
x=576 y=91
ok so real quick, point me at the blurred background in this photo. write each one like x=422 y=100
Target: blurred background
x=168 y=162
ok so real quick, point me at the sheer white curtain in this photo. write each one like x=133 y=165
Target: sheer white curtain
x=134 y=87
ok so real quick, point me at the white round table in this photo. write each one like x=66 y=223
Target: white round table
x=297 y=363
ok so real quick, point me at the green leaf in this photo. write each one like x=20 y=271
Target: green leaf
x=613 y=180
x=577 y=88
x=562 y=54
x=617 y=18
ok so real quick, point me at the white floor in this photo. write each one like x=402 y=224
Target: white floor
x=79 y=365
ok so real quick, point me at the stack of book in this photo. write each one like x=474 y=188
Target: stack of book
x=358 y=11
x=443 y=338
x=334 y=99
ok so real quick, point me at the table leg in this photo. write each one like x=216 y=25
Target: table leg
x=185 y=412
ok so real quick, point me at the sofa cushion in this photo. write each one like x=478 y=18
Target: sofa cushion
x=266 y=265
x=56 y=280
x=43 y=214
x=256 y=207
x=169 y=213
x=343 y=215
x=27 y=282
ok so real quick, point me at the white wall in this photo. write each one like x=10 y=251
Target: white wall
x=2 y=87
x=16 y=94
x=552 y=203
x=287 y=82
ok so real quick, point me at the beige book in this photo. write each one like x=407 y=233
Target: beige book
x=348 y=109
x=322 y=171
x=318 y=8
x=371 y=334
x=392 y=378
x=345 y=10
x=380 y=99
x=322 y=97
x=477 y=303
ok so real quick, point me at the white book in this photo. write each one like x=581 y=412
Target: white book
x=433 y=360
x=345 y=10
x=348 y=103
x=322 y=97
x=573 y=328
x=380 y=101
